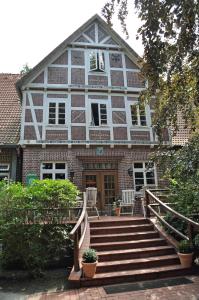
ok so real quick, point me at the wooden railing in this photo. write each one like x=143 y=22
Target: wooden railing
x=152 y=200
x=78 y=234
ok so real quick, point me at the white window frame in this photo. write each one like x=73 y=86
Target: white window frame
x=53 y=171
x=138 y=115
x=144 y=170
x=4 y=164
x=57 y=102
x=98 y=102
x=99 y=61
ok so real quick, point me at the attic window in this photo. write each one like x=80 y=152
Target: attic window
x=97 y=62
x=98 y=114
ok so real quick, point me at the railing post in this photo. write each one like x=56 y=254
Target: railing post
x=76 y=252
x=147 y=201
x=190 y=233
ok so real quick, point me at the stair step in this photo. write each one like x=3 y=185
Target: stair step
x=121 y=229
x=135 y=275
x=118 y=222
x=134 y=253
x=124 y=237
x=139 y=263
x=128 y=244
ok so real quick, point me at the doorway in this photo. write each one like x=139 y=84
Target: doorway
x=106 y=183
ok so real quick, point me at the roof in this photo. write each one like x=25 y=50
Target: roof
x=58 y=50
x=10 y=109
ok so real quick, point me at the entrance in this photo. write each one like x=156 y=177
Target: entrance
x=107 y=187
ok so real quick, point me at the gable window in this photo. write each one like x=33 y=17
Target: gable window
x=97 y=61
x=4 y=171
x=138 y=115
x=54 y=170
x=57 y=113
x=98 y=114
x=143 y=175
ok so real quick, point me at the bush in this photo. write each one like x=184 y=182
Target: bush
x=89 y=256
x=184 y=247
x=32 y=234
x=177 y=223
x=196 y=241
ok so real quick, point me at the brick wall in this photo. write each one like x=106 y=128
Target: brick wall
x=39 y=79
x=57 y=75
x=62 y=59
x=77 y=58
x=117 y=78
x=77 y=76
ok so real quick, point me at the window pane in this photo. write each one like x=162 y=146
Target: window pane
x=47 y=166
x=52 y=105
x=51 y=121
x=138 y=165
x=60 y=166
x=61 y=121
x=139 y=181
x=150 y=181
x=138 y=188
x=101 y=61
x=94 y=114
x=47 y=176
x=150 y=174
x=60 y=176
x=139 y=175
x=93 y=61
x=134 y=118
x=4 y=167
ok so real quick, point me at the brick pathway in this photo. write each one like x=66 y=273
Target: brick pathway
x=181 y=292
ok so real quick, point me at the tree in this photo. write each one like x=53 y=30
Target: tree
x=25 y=69
x=170 y=35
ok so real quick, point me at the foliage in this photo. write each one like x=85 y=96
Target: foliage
x=31 y=223
x=177 y=223
x=170 y=35
x=196 y=241
x=184 y=247
x=25 y=69
x=117 y=203
x=89 y=256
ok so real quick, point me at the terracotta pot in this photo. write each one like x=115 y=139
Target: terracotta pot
x=186 y=259
x=117 y=211
x=89 y=269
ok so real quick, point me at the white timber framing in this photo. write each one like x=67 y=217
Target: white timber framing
x=33 y=116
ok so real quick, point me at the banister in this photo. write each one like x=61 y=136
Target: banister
x=81 y=218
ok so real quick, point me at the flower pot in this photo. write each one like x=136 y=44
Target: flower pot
x=117 y=211
x=186 y=259
x=89 y=269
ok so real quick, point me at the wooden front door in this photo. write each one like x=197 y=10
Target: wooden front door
x=107 y=187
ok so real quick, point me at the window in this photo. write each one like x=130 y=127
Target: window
x=143 y=175
x=4 y=171
x=98 y=114
x=97 y=63
x=57 y=113
x=54 y=170
x=138 y=115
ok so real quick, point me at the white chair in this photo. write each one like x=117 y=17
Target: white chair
x=128 y=200
x=91 y=198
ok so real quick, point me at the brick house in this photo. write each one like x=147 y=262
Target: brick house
x=10 y=111
x=81 y=118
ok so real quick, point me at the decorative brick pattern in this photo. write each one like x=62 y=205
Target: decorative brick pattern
x=120 y=133
x=115 y=60
x=130 y=64
x=37 y=99
x=78 y=116
x=117 y=78
x=62 y=59
x=29 y=132
x=98 y=97
x=28 y=115
x=97 y=80
x=77 y=100
x=135 y=80
x=56 y=135
x=77 y=76
x=78 y=133
x=117 y=102
x=57 y=75
x=119 y=117
x=57 y=96
x=39 y=78
x=99 y=135
x=140 y=135
x=132 y=98
x=77 y=58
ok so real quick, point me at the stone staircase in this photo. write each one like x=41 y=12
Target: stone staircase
x=130 y=250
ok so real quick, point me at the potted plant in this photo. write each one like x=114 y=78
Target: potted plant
x=117 y=207
x=185 y=253
x=89 y=262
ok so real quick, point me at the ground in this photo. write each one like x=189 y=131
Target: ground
x=54 y=286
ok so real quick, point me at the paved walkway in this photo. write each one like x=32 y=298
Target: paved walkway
x=181 y=292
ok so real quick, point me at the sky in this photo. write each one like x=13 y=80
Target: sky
x=30 y=29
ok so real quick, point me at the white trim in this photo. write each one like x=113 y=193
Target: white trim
x=69 y=66
x=23 y=115
x=96 y=33
x=33 y=116
x=58 y=66
x=143 y=170
x=87 y=37
x=105 y=39
x=69 y=116
x=54 y=171
x=4 y=164
x=124 y=69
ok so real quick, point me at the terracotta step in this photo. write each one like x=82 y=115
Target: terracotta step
x=134 y=253
x=128 y=244
x=140 y=263
x=118 y=222
x=123 y=237
x=121 y=229
x=135 y=275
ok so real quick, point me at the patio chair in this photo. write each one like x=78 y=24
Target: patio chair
x=91 y=198
x=128 y=200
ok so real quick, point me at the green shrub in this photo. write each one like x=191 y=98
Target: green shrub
x=89 y=256
x=184 y=247
x=196 y=241
x=177 y=223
